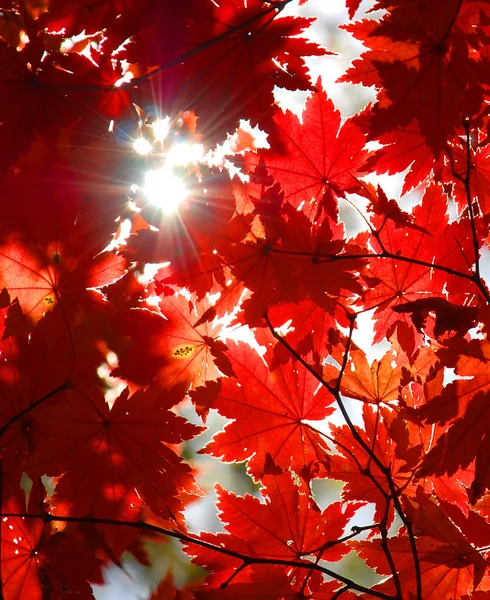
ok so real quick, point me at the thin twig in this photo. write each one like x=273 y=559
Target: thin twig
x=328 y=258
x=340 y=592
x=466 y=182
x=276 y=7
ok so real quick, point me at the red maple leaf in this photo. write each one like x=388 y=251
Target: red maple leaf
x=178 y=348
x=450 y=565
x=36 y=557
x=314 y=332
x=48 y=254
x=377 y=382
x=231 y=56
x=35 y=372
x=267 y=530
x=115 y=460
x=364 y=478
x=399 y=281
x=479 y=175
x=403 y=148
x=315 y=160
x=420 y=59
x=464 y=404
x=276 y=406
x=323 y=268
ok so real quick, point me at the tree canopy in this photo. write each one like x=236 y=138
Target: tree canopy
x=156 y=203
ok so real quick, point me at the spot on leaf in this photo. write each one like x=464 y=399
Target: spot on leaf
x=183 y=351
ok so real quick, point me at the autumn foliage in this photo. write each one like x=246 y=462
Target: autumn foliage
x=119 y=315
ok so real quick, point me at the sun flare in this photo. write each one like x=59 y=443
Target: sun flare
x=171 y=162
x=142 y=146
x=165 y=189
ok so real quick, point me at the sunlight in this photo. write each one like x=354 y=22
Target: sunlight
x=185 y=154
x=173 y=163
x=165 y=189
x=161 y=128
x=142 y=146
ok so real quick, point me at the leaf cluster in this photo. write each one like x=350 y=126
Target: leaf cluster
x=116 y=312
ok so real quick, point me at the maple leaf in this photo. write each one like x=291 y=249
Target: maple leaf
x=314 y=333
x=465 y=440
x=323 y=268
x=364 y=478
x=36 y=557
x=115 y=460
x=35 y=372
x=315 y=160
x=419 y=60
x=449 y=317
x=404 y=148
x=450 y=565
x=479 y=176
x=465 y=404
x=48 y=256
x=267 y=530
x=396 y=282
x=276 y=406
x=388 y=209
x=232 y=55
x=248 y=247
x=376 y=383
x=40 y=281
x=178 y=349
x=272 y=527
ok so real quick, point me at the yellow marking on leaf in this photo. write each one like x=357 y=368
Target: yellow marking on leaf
x=49 y=300
x=183 y=351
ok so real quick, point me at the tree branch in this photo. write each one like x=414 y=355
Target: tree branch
x=466 y=182
x=356 y=435
x=246 y=559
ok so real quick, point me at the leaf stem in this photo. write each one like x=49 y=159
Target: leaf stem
x=64 y=386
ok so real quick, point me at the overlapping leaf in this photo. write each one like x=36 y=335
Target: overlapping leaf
x=419 y=59
x=450 y=565
x=395 y=281
x=35 y=557
x=232 y=55
x=171 y=348
x=465 y=405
